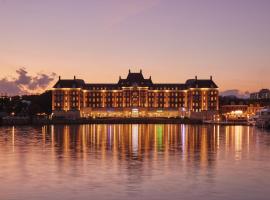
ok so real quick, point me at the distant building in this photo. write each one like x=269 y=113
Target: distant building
x=233 y=108
x=262 y=94
x=133 y=96
x=239 y=111
x=3 y=95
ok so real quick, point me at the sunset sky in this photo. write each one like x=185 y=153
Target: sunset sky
x=171 y=40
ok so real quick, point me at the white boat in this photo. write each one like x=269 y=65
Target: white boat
x=252 y=120
x=263 y=120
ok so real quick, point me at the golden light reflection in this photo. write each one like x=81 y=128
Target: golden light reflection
x=218 y=130
x=193 y=143
x=43 y=130
x=66 y=138
x=135 y=138
x=13 y=138
x=133 y=152
x=238 y=141
x=52 y=141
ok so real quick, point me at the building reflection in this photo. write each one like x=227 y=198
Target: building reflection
x=195 y=145
x=134 y=152
x=191 y=143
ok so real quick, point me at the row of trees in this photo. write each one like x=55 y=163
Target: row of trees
x=27 y=104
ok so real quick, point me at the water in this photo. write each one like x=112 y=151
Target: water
x=134 y=162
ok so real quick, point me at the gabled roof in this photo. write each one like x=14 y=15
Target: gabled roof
x=69 y=83
x=135 y=79
x=201 y=83
x=264 y=91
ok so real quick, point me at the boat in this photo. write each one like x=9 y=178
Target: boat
x=263 y=120
x=253 y=119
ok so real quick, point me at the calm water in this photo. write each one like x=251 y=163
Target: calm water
x=134 y=162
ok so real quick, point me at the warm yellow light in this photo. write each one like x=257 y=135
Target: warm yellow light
x=237 y=112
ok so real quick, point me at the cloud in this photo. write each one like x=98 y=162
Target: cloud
x=9 y=87
x=23 y=78
x=235 y=92
x=25 y=83
x=41 y=81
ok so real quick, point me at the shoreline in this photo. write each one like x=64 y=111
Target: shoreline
x=103 y=121
x=116 y=121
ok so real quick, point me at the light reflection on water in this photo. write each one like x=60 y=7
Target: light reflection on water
x=134 y=162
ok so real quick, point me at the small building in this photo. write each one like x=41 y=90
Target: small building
x=239 y=112
x=262 y=94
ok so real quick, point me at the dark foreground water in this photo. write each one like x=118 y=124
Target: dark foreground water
x=134 y=162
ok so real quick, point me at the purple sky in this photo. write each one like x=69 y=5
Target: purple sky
x=99 y=40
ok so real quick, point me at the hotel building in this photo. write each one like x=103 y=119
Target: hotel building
x=133 y=96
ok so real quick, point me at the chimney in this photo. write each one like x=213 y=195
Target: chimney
x=196 y=78
x=129 y=71
x=150 y=78
x=59 y=78
x=74 y=77
x=140 y=71
x=211 y=78
x=119 y=77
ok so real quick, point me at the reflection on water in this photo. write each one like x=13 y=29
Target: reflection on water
x=134 y=161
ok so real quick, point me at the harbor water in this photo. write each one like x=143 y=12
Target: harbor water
x=145 y=161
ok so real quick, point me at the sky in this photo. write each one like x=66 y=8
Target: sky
x=171 y=40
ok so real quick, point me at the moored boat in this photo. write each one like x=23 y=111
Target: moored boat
x=263 y=120
x=253 y=119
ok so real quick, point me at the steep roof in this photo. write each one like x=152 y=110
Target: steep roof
x=264 y=91
x=201 y=83
x=69 y=83
x=135 y=79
